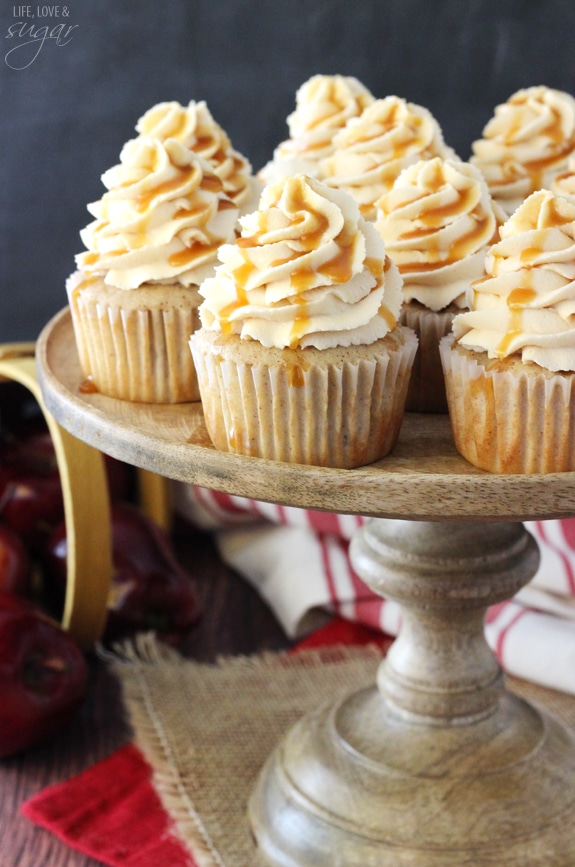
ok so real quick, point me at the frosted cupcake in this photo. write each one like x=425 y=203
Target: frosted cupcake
x=437 y=222
x=195 y=128
x=324 y=104
x=134 y=299
x=526 y=144
x=372 y=149
x=510 y=362
x=300 y=356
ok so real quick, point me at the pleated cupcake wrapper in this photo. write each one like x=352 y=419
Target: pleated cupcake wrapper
x=427 y=385
x=336 y=417
x=140 y=354
x=509 y=423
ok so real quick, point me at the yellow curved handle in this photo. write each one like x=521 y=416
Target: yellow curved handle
x=86 y=510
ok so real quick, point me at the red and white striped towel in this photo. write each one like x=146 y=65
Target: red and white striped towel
x=298 y=561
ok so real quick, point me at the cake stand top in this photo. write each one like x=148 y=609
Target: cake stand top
x=424 y=478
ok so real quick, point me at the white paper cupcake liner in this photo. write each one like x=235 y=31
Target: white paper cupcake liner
x=138 y=354
x=332 y=416
x=510 y=421
x=427 y=385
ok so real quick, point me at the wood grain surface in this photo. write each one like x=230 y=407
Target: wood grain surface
x=234 y=620
x=424 y=477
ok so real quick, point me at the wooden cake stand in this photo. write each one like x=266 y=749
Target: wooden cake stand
x=437 y=764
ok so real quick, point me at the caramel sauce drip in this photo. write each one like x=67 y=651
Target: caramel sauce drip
x=521 y=297
x=211 y=184
x=88 y=386
x=144 y=200
x=512 y=332
x=460 y=249
x=227 y=312
x=204 y=143
x=386 y=314
x=295 y=369
x=529 y=255
x=300 y=325
x=554 y=131
x=188 y=255
x=436 y=218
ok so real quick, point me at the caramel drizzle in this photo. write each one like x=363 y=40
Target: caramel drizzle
x=338 y=270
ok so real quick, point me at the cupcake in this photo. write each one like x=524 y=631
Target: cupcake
x=372 y=149
x=134 y=298
x=324 y=104
x=528 y=141
x=195 y=128
x=510 y=361
x=300 y=357
x=437 y=222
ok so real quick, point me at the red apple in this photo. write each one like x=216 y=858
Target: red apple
x=15 y=567
x=32 y=504
x=150 y=589
x=43 y=676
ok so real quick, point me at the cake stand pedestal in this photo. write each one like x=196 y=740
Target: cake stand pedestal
x=437 y=764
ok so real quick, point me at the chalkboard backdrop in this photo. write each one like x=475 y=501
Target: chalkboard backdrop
x=75 y=78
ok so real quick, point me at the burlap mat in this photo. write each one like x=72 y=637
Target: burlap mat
x=206 y=730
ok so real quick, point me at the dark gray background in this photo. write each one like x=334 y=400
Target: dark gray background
x=65 y=116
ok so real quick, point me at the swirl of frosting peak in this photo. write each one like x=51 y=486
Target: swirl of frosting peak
x=437 y=222
x=324 y=104
x=307 y=270
x=526 y=302
x=195 y=128
x=162 y=220
x=527 y=142
x=372 y=149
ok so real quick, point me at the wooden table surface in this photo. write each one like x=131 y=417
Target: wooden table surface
x=234 y=620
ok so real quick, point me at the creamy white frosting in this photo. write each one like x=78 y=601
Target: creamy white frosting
x=437 y=222
x=526 y=302
x=372 y=149
x=527 y=142
x=195 y=128
x=162 y=219
x=324 y=104
x=307 y=270
x=564 y=183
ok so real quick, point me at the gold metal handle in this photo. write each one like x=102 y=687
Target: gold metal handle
x=86 y=510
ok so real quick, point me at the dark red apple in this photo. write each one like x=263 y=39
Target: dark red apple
x=43 y=676
x=32 y=504
x=15 y=567
x=150 y=589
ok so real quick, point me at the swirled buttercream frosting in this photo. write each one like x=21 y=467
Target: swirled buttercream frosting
x=527 y=142
x=324 y=104
x=195 y=128
x=307 y=270
x=372 y=149
x=162 y=219
x=437 y=222
x=525 y=303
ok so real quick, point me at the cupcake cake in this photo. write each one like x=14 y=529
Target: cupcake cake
x=300 y=356
x=437 y=222
x=526 y=144
x=510 y=361
x=324 y=104
x=195 y=128
x=134 y=298
x=372 y=149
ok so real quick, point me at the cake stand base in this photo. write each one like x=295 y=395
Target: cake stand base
x=438 y=765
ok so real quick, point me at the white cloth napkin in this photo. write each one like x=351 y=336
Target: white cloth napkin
x=298 y=561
